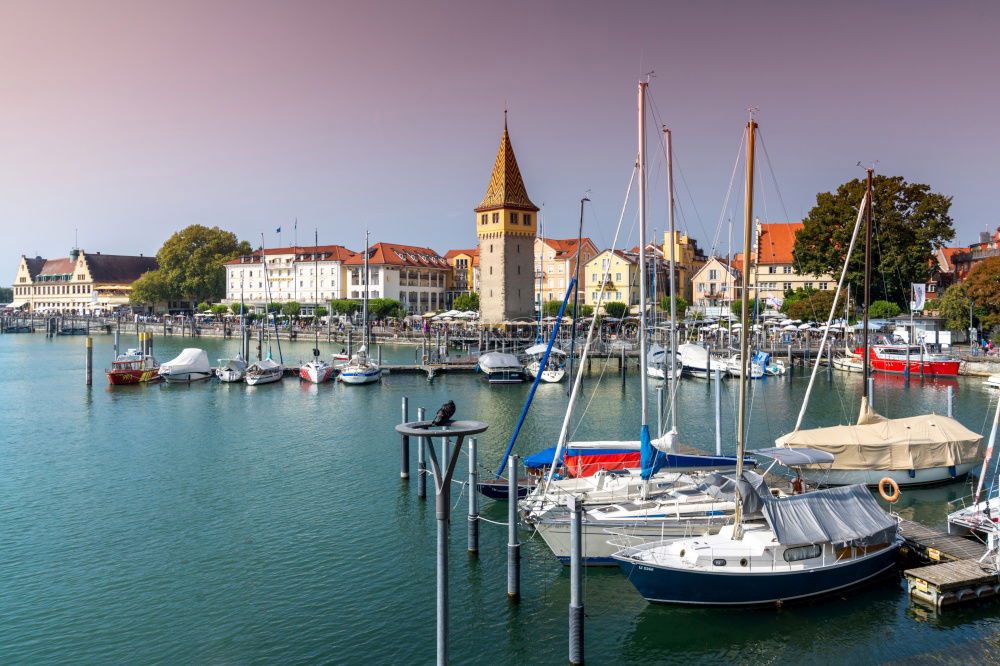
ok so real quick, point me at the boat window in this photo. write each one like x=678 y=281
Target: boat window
x=719 y=562
x=802 y=553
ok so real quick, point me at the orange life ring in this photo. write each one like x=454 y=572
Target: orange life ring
x=893 y=485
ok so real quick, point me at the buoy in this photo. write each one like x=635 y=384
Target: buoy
x=893 y=485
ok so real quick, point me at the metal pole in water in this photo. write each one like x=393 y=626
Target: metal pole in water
x=623 y=365
x=513 y=547
x=718 y=412
x=149 y=343
x=380 y=355
x=442 y=508
x=951 y=401
x=576 y=582
x=118 y=338
x=421 y=461
x=659 y=411
x=871 y=392
x=90 y=361
x=404 y=444
x=473 y=498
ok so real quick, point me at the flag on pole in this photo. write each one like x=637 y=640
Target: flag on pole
x=919 y=296
x=278 y=230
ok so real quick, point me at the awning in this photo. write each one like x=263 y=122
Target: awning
x=17 y=304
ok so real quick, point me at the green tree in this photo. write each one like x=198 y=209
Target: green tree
x=883 y=310
x=235 y=308
x=909 y=223
x=468 y=301
x=273 y=308
x=6 y=294
x=204 y=307
x=220 y=309
x=737 y=307
x=809 y=304
x=954 y=306
x=321 y=312
x=551 y=309
x=616 y=309
x=681 y=305
x=983 y=287
x=291 y=309
x=191 y=265
x=383 y=308
x=344 y=307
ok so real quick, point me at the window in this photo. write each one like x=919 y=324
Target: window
x=496 y=218
x=802 y=553
x=786 y=285
x=713 y=274
x=482 y=218
x=593 y=278
x=822 y=285
x=527 y=218
x=701 y=287
x=772 y=269
x=513 y=218
x=491 y=270
x=807 y=285
x=618 y=276
x=786 y=270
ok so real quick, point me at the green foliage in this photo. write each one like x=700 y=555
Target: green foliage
x=291 y=309
x=737 y=307
x=204 y=307
x=6 y=294
x=883 y=310
x=344 y=307
x=249 y=317
x=191 y=266
x=273 y=308
x=616 y=309
x=953 y=305
x=236 y=307
x=681 y=304
x=909 y=223
x=321 y=312
x=468 y=301
x=220 y=309
x=809 y=304
x=983 y=287
x=383 y=308
x=551 y=309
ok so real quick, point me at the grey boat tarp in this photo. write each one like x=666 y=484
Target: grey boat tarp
x=848 y=515
x=498 y=360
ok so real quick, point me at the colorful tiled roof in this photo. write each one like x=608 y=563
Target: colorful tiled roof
x=565 y=248
x=451 y=254
x=60 y=266
x=118 y=268
x=777 y=240
x=506 y=188
x=947 y=255
x=391 y=254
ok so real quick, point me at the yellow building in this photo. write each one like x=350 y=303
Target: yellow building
x=612 y=276
x=688 y=259
x=555 y=261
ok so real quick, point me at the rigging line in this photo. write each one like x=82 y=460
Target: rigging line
x=677 y=167
x=729 y=192
x=770 y=168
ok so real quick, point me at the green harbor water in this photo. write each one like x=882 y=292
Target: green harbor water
x=217 y=523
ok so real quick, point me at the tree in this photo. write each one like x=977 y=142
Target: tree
x=809 y=304
x=615 y=309
x=468 y=301
x=737 y=307
x=983 y=287
x=273 y=308
x=191 y=266
x=954 y=305
x=909 y=222
x=6 y=294
x=204 y=307
x=551 y=309
x=291 y=309
x=344 y=307
x=883 y=310
x=383 y=308
x=220 y=309
x=681 y=304
x=236 y=307
x=320 y=312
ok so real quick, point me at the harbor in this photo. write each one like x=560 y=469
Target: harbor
x=273 y=519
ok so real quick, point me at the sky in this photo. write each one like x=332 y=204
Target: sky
x=125 y=121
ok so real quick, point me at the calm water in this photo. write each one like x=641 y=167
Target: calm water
x=227 y=524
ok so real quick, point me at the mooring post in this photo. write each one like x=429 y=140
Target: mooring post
x=513 y=546
x=576 y=581
x=149 y=343
x=421 y=461
x=951 y=401
x=718 y=412
x=473 y=498
x=404 y=444
x=118 y=339
x=659 y=411
x=90 y=360
x=380 y=356
x=350 y=341
x=622 y=365
x=921 y=359
x=871 y=392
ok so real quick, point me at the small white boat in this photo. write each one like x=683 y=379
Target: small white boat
x=697 y=362
x=555 y=368
x=231 y=369
x=191 y=365
x=848 y=363
x=360 y=369
x=315 y=371
x=992 y=381
x=264 y=371
x=734 y=367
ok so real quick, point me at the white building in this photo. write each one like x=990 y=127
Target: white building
x=311 y=275
x=415 y=276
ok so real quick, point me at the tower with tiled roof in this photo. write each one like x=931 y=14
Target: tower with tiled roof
x=505 y=225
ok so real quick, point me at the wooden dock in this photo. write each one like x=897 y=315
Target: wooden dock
x=430 y=369
x=956 y=575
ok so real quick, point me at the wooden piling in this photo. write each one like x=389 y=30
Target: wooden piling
x=90 y=361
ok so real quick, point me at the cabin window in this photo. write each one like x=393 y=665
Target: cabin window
x=719 y=562
x=802 y=553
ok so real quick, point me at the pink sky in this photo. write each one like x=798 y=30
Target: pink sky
x=132 y=119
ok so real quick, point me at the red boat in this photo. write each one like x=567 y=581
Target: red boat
x=894 y=359
x=133 y=368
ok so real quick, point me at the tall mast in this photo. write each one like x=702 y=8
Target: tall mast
x=644 y=384
x=741 y=423
x=867 y=290
x=576 y=292
x=672 y=383
x=364 y=293
x=315 y=287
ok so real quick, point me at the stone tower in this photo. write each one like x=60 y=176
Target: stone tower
x=505 y=225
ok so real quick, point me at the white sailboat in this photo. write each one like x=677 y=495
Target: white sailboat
x=266 y=370
x=317 y=370
x=361 y=369
x=234 y=369
x=555 y=369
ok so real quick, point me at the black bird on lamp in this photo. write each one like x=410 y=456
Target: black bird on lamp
x=444 y=414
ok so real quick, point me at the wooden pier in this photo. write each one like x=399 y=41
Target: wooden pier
x=956 y=575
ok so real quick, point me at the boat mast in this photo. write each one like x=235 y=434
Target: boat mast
x=315 y=288
x=576 y=293
x=741 y=424
x=867 y=290
x=364 y=302
x=644 y=384
x=672 y=382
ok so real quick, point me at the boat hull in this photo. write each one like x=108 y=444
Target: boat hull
x=185 y=377
x=499 y=489
x=601 y=541
x=360 y=377
x=659 y=584
x=230 y=376
x=122 y=377
x=271 y=377
x=902 y=477
x=314 y=374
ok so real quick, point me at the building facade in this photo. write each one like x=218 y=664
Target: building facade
x=506 y=226
x=774 y=271
x=714 y=286
x=415 y=276
x=688 y=259
x=78 y=284
x=311 y=275
x=555 y=261
x=612 y=275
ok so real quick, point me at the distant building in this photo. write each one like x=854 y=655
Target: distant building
x=714 y=286
x=79 y=284
x=774 y=272
x=555 y=261
x=311 y=275
x=415 y=276
x=688 y=259
x=612 y=275
x=505 y=226
x=947 y=268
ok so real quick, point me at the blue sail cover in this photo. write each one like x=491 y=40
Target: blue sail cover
x=760 y=358
x=648 y=455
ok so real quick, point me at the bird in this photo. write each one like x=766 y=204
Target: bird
x=444 y=414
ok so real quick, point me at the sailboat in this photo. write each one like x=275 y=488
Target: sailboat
x=267 y=370
x=316 y=371
x=555 y=368
x=234 y=369
x=800 y=549
x=912 y=451
x=361 y=369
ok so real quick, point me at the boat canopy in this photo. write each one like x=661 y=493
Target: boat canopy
x=796 y=457
x=498 y=360
x=189 y=360
x=693 y=356
x=540 y=349
x=265 y=364
x=878 y=443
x=844 y=516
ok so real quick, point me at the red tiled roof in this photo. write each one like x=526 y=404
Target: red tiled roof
x=777 y=240
x=565 y=248
x=328 y=252
x=57 y=266
x=948 y=254
x=400 y=255
x=450 y=254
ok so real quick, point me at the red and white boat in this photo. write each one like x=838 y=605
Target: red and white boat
x=895 y=359
x=133 y=367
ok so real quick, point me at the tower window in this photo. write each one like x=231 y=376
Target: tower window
x=482 y=218
x=513 y=218
x=496 y=218
x=491 y=270
x=527 y=218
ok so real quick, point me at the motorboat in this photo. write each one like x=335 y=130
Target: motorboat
x=912 y=359
x=360 y=369
x=231 y=369
x=698 y=362
x=500 y=368
x=191 y=365
x=658 y=363
x=555 y=368
x=133 y=367
x=316 y=371
x=264 y=371
x=734 y=367
x=848 y=363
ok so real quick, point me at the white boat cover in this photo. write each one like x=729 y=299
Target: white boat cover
x=878 y=443
x=540 y=349
x=693 y=356
x=498 y=360
x=848 y=515
x=189 y=360
x=264 y=365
